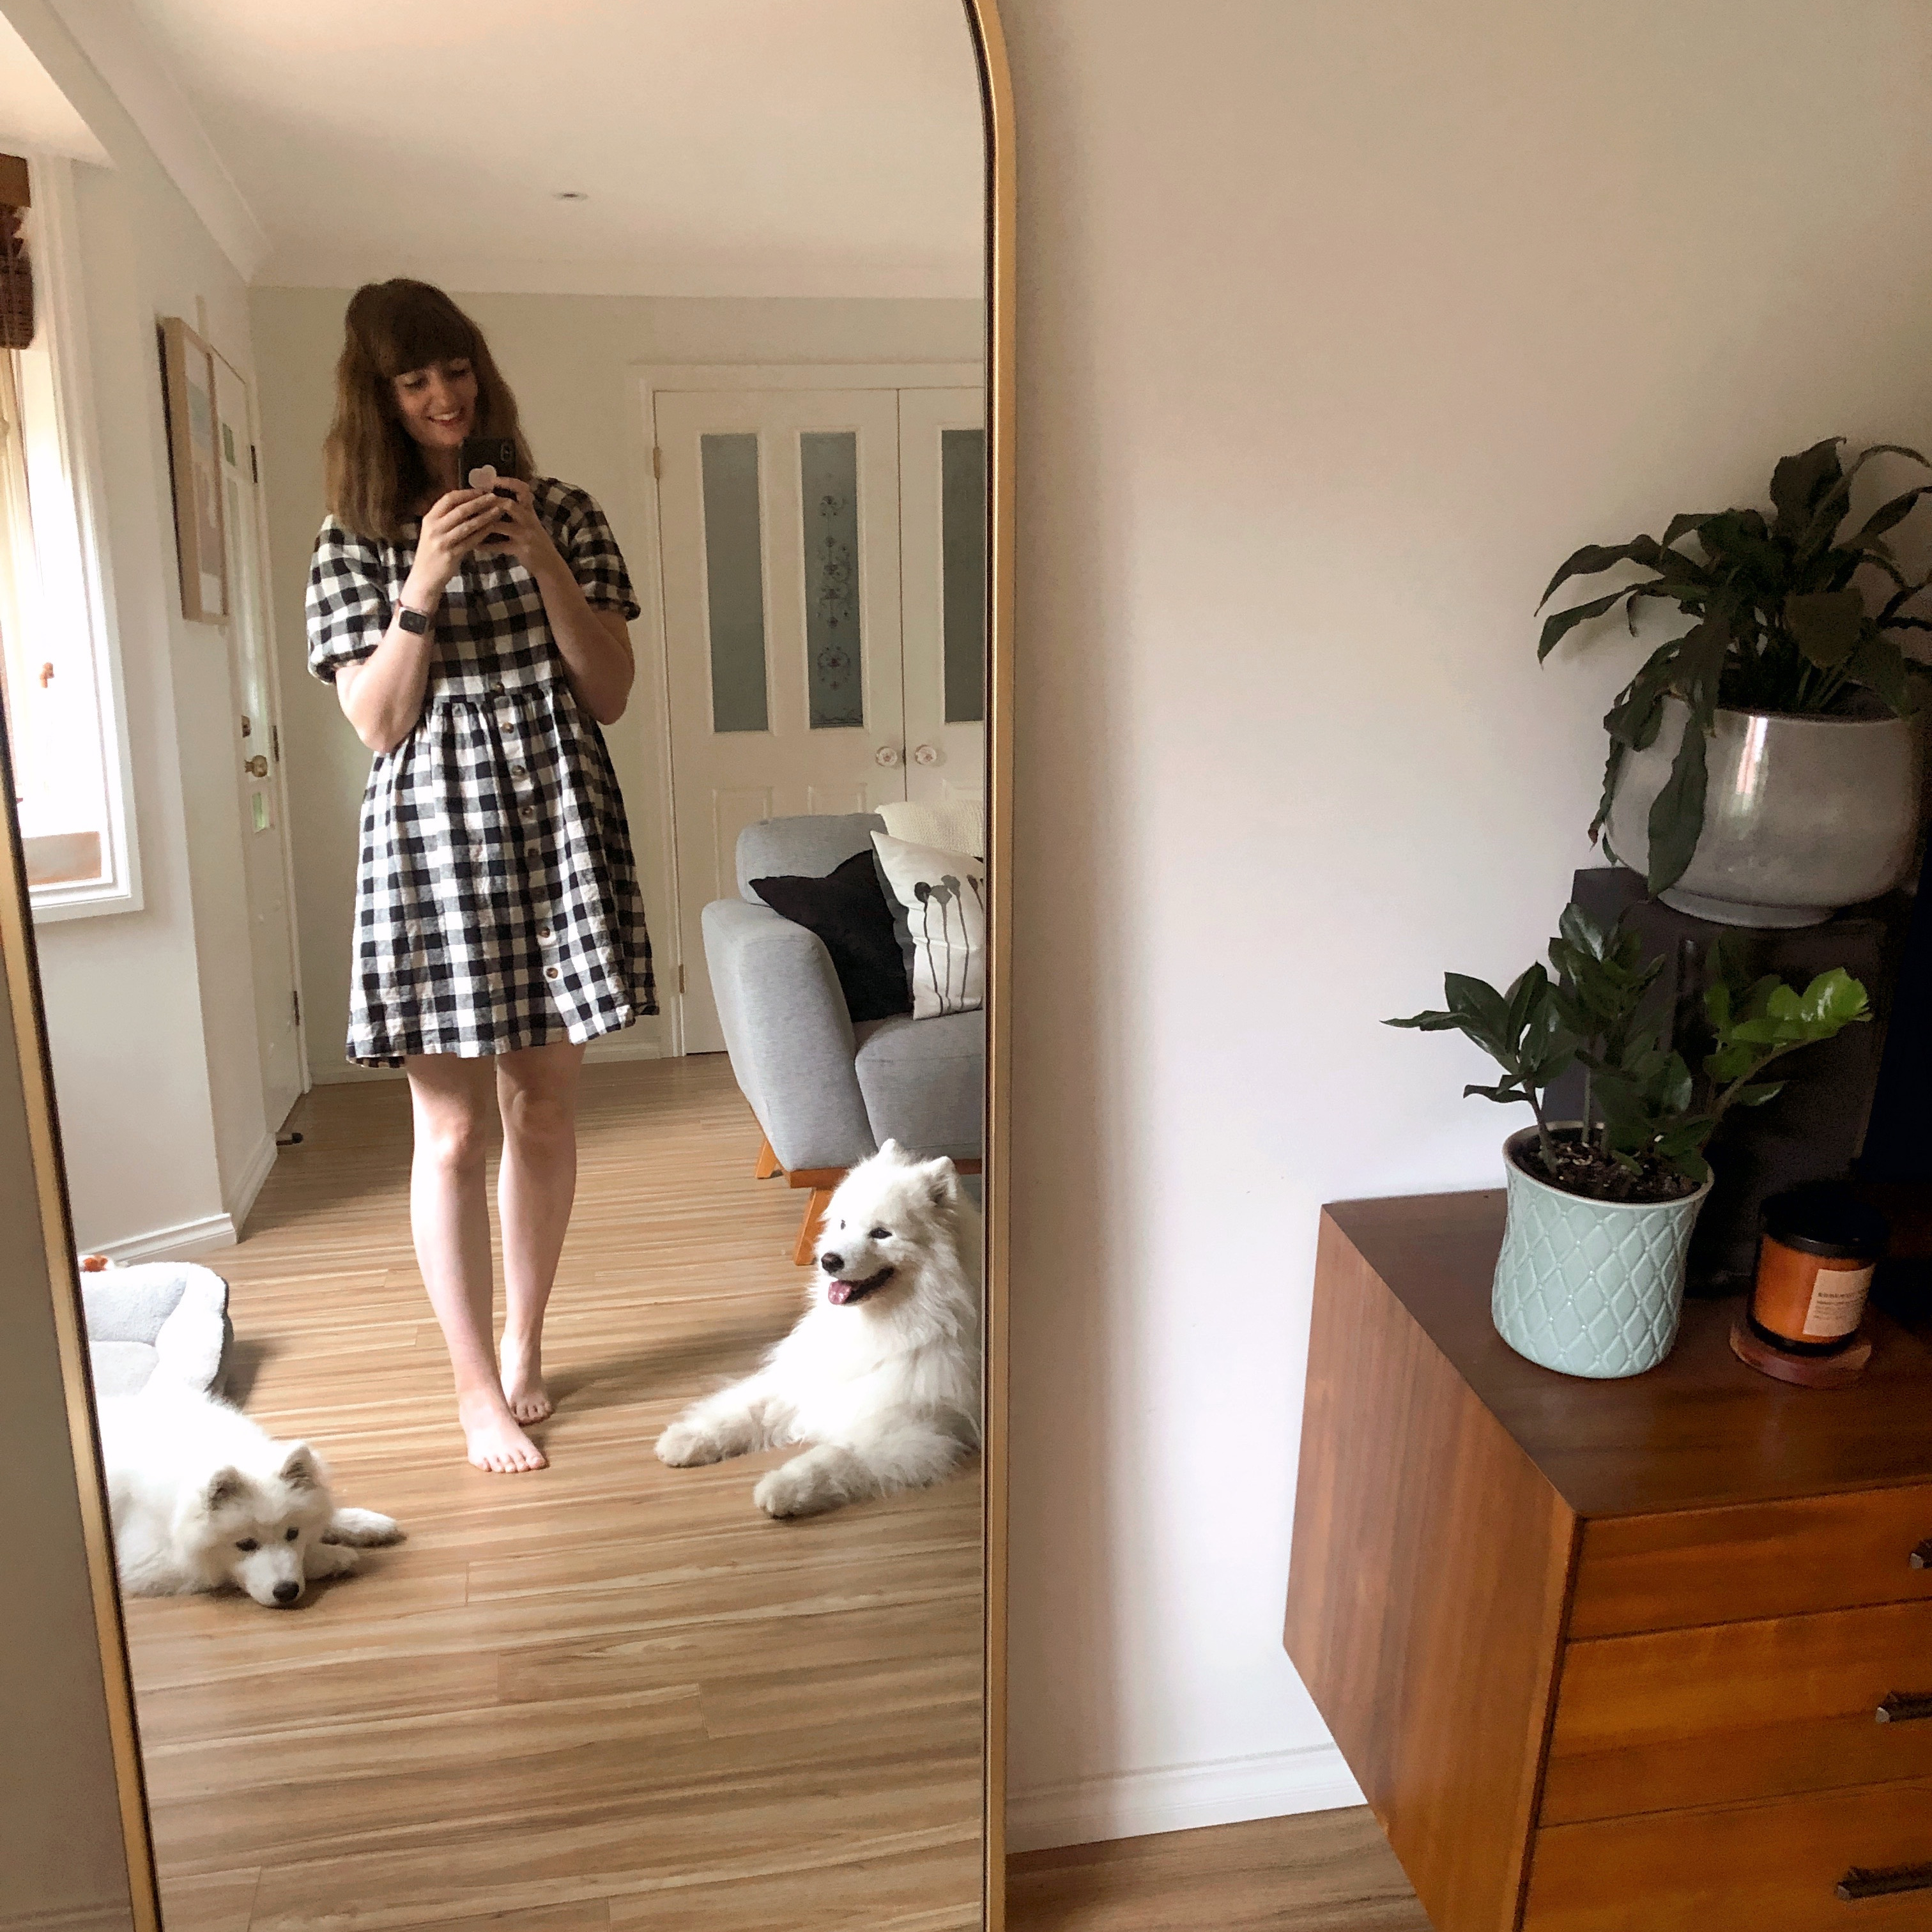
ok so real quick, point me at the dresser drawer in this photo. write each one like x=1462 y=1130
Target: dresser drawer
x=1686 y=1567
x=1729 y=1713
x=1749 y=1868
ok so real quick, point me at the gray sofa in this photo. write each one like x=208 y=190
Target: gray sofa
x=827 y=1092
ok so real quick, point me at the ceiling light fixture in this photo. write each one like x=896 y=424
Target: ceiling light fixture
x=570 y=194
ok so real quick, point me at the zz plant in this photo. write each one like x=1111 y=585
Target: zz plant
x=1782 y=621
x=1647 y=1116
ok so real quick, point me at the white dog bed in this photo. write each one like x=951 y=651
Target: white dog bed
x=156 y=1319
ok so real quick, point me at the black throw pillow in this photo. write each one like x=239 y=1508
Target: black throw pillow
x=848 y=911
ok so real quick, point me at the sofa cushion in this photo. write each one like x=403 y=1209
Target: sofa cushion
x=806 y=847
x=848 y=911
x=924 y=1082
x=943 y=894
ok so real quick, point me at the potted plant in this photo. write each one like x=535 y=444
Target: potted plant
x=1763 y=767
x=1590 y=1280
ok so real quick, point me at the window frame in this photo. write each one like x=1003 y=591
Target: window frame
x=61 y=329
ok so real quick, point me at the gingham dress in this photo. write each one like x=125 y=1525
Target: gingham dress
x=496 y=901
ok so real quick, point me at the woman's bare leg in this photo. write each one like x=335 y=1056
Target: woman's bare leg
x=449 y=1217
x=536 y=1089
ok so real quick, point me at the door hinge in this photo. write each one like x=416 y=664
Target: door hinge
x=680 y=979
x=254 y=464
x=657 y=462
x=247 y=725
x=275 y=743
x=294 y=1004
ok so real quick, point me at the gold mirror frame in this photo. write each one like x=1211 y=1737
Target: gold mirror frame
x=27 y=1015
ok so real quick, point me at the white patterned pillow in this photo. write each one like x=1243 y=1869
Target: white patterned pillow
x=944 y=896
x=958 y=826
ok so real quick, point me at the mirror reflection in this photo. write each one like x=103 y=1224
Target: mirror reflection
x=499 y=697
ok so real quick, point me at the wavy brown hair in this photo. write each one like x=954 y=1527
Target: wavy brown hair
x=373 y=471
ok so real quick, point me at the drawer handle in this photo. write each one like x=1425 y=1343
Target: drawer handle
x=1859 y=1883
x=1905 y=1707
x=1921 y=1557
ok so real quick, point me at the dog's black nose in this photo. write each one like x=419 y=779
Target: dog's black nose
x=286 y=1593
x=831 y=1264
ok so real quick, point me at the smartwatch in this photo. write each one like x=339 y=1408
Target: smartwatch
x=415 y=622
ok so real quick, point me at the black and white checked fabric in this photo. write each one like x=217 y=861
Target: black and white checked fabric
x=496 y=900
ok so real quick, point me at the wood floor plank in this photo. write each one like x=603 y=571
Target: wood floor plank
x=1323 y=1871
x=610 y=1692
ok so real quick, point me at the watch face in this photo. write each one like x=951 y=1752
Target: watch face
x=413 y=620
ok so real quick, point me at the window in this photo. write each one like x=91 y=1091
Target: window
x=55 y=671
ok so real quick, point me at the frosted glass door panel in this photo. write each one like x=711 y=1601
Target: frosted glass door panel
x=943 y=591
x=779 y=541
x=828 y=470
x=734 y=583
x=962 y=515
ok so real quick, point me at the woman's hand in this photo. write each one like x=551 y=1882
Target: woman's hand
x=518 y=531
x=452 y=528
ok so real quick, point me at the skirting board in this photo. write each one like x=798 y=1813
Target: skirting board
x=178 y=1243
x=248 y=1183
x=613 y=1046
x=1179 y=1798
x=109 y=1916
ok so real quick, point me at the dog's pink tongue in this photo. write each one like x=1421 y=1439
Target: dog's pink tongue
x=838 y=1291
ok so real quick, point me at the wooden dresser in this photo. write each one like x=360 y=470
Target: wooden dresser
x=1610 y=1656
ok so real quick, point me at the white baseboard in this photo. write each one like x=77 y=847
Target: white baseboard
x=1179 y=1798
x=177 y=1244
x=249 y=1182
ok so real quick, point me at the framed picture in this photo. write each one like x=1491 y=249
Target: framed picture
x=188 y=368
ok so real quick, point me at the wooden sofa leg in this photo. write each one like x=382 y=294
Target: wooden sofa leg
x=767 y=1163
x=815 y=1219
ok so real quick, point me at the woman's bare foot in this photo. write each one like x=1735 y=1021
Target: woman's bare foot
x=523 y=1388
x=495 y=1441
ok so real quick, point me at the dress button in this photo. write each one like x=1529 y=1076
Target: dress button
x=496 y=684
x=529 y=811
x=544 y=932
x=551 y=972
x=519 y=771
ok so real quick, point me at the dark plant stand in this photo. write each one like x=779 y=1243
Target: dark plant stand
x=1815 y=1129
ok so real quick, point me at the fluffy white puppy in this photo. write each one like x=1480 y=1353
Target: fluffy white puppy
x=881 y=1375
x=204 y=1499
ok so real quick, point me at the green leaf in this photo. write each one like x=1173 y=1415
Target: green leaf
x=1430 y=1022
x=1677 y=815
x=1507 y=1090
x=1524 y=999
x=1582 y=932
x=1559 y=623
x=1878 y=664
x=1756 y=1096
x=1684 y=524
x=1587 y=561
x=1889 y=515
x=1801 y=482
x=1478 y=1001
x=1827 y=625
x=1834 y=1000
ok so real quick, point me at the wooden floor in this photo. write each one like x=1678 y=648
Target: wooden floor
x=609 y=1693
x=1324 y=1871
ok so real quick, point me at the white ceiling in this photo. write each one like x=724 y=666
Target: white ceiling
x=727 y=147
x=33 y=112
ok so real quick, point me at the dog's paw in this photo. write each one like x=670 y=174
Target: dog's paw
x=790 y=1491
x=362 y=1527
x=329 y=1559
x=684 y=1447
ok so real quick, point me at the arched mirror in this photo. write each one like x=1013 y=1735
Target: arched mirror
x=505 y=564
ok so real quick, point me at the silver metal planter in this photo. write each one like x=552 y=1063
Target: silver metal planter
x=1589 y=1287
x=1802 y=815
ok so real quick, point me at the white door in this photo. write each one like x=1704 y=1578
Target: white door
x=943 y=585
x=778 y=531
x=258 y=753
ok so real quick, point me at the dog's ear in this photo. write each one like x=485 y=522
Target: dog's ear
x=301 y=1468
x=942 y=1180
x=223 y=1487
x=892 y=1150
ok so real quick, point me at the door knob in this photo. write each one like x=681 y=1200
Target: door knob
x=887 y=754
x=257 y=767
x=925 y=754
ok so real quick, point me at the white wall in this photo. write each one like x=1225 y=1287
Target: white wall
x=150 y=1012
x=570 y=359
x=1341 y=325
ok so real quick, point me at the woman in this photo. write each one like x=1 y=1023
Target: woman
x=477 y=641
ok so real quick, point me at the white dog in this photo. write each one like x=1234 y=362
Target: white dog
x=204 y=1499
x=881 y=1375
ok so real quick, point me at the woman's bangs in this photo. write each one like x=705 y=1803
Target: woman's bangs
x=416 y=334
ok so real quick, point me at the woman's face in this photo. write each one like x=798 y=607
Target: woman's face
x=437 y=405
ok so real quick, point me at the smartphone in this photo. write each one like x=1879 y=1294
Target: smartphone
x=486 y=452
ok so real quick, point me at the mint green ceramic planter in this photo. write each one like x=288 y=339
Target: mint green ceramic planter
x=1589 y=1287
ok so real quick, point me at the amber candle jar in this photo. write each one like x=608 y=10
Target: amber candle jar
x=1814 y=1269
